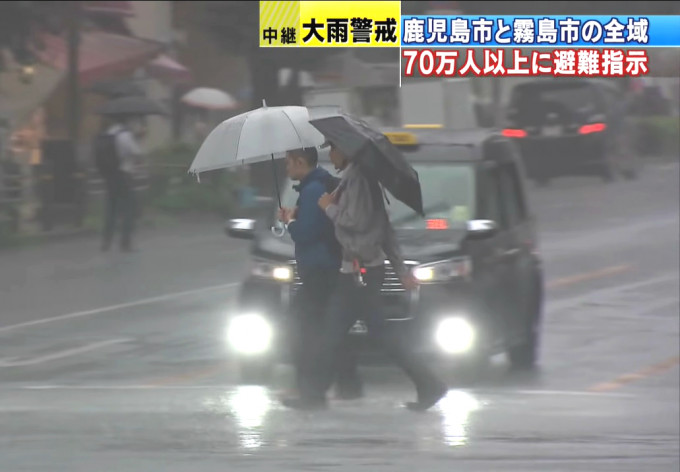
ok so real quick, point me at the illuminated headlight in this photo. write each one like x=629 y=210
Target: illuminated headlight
x=250 y=334
x=455 y=335
x=273 y=271
x=443 y=270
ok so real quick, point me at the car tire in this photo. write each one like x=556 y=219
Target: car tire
x=524 y=356
x=255 y=372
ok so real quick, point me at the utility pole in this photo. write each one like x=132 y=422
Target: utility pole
x=79 y=178
x=73 y=32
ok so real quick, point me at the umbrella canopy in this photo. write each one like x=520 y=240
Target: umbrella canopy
x=375 y=155
x=132 y=106
x=117 y=88
x=256 y=136
x=210 y=99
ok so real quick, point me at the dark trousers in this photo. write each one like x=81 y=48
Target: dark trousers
x=307 y=316
x=121 y=207
x=350 y=302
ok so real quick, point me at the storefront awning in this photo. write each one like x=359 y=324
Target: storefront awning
x=101 y=55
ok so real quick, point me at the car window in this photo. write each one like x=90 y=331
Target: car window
x=533 y=102
x=511 y=194
x=492 y=197
x=448 y=191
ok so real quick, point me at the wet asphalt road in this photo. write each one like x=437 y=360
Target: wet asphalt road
x=105 y=365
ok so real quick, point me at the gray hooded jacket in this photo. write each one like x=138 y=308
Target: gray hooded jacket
x=362 y=225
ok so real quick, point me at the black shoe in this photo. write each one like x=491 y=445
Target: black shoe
x=298 y=403
x=428 y=397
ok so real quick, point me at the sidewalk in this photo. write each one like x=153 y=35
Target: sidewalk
x=71 y=274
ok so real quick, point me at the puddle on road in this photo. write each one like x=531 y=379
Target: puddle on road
x=456 y=409
x=248 y=406
x=250 y=409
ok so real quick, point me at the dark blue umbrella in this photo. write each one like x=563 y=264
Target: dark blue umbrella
x=375 y=155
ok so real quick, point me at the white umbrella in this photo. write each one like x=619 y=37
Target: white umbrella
x=209 y=98
x=256 y=136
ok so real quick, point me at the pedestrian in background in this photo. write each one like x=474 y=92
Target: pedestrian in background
x=118 y=156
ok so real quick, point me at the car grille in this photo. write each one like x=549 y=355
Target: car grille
x=391 y=283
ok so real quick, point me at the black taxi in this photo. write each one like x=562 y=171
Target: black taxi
x=475 y=255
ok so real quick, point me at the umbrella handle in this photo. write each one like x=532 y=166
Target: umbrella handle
x=278 y=232
x=276 y=181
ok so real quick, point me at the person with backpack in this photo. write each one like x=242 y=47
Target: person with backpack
x=118 y=157
x=318 y=255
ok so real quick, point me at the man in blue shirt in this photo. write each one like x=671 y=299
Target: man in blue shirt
x=318 y=255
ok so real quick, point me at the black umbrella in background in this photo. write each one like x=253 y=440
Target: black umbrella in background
x=132 y=106
x=375 y=155
x=118 y=88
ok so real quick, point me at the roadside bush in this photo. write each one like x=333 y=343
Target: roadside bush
x=173 y=190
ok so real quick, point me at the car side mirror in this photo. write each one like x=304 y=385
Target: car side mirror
x=481 y=229
x=241 y=228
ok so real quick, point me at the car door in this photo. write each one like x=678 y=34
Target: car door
x=491 y=263
x=516 y=245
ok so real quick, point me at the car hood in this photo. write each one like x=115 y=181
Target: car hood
x=416 y=244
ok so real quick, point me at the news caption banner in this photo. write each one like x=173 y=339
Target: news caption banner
x=602 y=46
x=330 y=24
x=463 y=45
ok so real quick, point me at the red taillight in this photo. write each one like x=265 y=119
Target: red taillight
x=514 y=133
x=592 y=128
x=363 y=271
x=437 y=224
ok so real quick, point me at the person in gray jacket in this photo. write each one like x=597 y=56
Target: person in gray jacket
x=363 y=229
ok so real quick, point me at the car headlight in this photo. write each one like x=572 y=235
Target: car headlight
x=442 y=271
x=455 y=335
x=272 y=271
x=249 y=334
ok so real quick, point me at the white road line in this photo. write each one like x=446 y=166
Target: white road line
x=61 y=354
x=97 y=311
x=553 y=306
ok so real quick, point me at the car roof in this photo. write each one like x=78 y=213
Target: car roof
x=467 y=143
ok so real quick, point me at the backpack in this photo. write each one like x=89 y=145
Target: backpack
x=106 y=154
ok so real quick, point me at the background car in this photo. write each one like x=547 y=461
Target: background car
x=572 y=126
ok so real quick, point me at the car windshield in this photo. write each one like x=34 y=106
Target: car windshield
x=448 y=191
